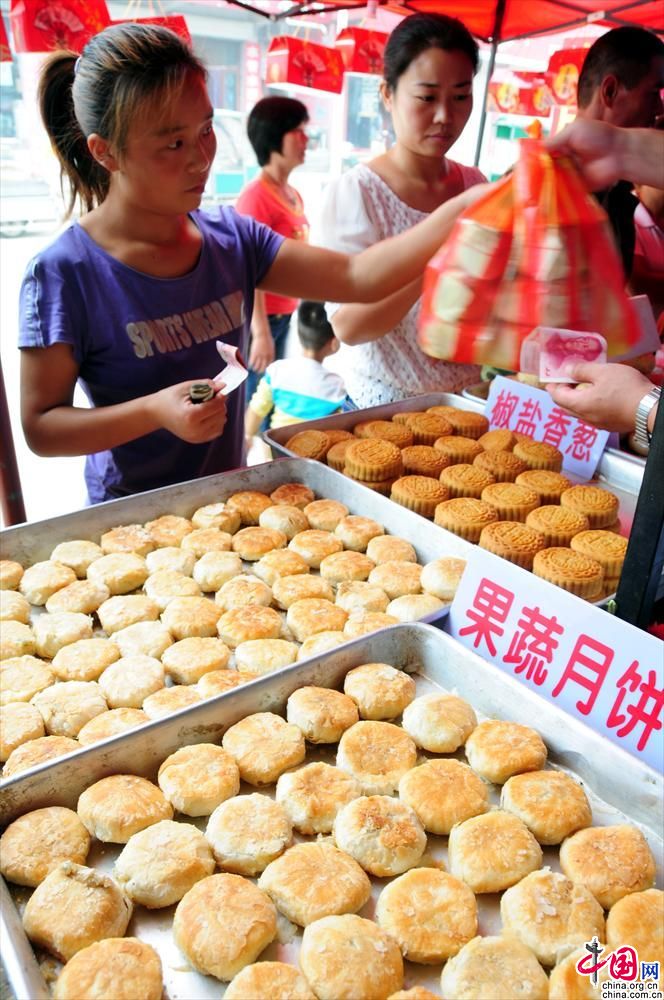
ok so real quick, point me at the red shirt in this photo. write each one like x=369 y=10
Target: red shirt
x=264 y=202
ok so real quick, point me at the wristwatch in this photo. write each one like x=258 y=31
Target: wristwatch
x=642 y=435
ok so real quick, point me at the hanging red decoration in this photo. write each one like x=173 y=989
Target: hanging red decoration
x=362 y=50
x=535 y=100
x=525 y=94
x=535 y=97
x=307 y=64
x=43 y=25
x=563 y=74
x=5 y=51
x=174 y=22
x=503 y=96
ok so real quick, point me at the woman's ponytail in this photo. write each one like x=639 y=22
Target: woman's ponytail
x=87 y=180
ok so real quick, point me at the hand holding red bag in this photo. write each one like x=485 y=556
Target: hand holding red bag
x=535 y=251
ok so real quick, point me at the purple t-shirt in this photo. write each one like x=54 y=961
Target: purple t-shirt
x=133 y=334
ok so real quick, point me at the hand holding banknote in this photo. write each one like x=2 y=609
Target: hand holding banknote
x=607 y=396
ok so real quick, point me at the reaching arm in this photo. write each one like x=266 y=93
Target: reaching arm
x=360 y=324
x=322 y=275
x=54 y=426
x=260 y=405
x=261 y=353
x=252 y=422
x=607 y=154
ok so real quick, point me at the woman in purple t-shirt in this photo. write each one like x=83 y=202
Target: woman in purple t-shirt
x=130 y=300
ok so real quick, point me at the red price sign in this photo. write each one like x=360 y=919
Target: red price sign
x=595 y=666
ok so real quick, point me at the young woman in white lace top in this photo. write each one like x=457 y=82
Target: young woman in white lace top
x=429 y=65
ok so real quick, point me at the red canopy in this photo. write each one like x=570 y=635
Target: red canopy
x=494 y=20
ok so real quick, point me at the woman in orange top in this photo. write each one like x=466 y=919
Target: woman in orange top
x=276 y=129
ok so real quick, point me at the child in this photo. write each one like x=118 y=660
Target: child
x=131 y=299
x=296 y=389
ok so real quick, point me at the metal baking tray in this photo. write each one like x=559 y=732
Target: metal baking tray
x=622 y=475
x=277 y=437
x=29 y=543
x=619 y=786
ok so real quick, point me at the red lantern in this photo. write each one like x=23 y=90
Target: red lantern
x=5 y=51
x=174 y=22
x=362 y=50
x=563 y=74
x=299 y=61
x=43 y=25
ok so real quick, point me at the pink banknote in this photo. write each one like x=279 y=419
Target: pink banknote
x=548 y=352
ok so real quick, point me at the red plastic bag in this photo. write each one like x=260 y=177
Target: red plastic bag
x=535 y=251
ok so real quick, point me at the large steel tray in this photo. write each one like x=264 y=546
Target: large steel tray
x=277 y=437
x=619 y=472
x=31 y=542
x=620 y=787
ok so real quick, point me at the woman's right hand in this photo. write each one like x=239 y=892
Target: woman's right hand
x=195 y=423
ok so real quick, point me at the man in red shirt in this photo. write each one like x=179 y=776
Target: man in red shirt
x=276 y=129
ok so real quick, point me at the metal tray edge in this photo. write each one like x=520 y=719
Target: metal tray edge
x=19 y=961
x=276 y=438
x=38 y=537
x=209 y=719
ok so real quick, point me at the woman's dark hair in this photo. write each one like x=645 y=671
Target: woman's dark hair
x=419 y=32
x=268 y=122
x=313 y=327
x=124 y=71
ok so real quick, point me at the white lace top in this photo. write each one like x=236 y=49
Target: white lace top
x=359 y=210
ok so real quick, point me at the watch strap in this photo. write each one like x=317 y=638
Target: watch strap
x=641 y=432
